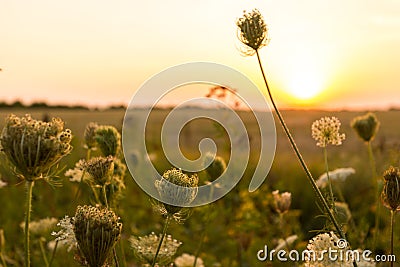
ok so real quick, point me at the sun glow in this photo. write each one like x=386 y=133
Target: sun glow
x=306 y=80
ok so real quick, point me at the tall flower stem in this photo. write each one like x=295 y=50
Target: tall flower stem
x=302 y=162
x=28 y=207
x=332 y=199
x=53 y=254
x=161 y=240
x=391 y=234
x=378 y=190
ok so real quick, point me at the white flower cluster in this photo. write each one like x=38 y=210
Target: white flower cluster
x=326 y=131
x=187 y=260
x=336 y=175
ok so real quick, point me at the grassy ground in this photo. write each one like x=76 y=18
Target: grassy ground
x=241 y=223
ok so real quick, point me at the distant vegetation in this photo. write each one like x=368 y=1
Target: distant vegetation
x=40 y=104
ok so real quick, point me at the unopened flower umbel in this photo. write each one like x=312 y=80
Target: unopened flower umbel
x=108 y=140
x=178 y=188
x=252 y=31
x=33 y=146
x=366 y=126
x=326 y=131
x=282 y=201
x=97 y=230
x=99 y=168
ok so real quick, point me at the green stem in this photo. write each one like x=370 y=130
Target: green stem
x=29 y=187
x=391 y=234
x=302 y=162
x=3 y=261
x=332 y=199
x=161 y=240
x=46 y=262
x=53 y=254
x=377 y=201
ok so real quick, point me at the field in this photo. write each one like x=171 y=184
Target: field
x=240 y=224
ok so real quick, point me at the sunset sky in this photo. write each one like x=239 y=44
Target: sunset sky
x=322 y=54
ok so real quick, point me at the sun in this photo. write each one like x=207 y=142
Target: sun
x=305 y=85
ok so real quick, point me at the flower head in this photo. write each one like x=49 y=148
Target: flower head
x=391 y=188
x=90 y=135
x=187 y=260
x=326 y=131
x=252 y=31
x=178 y=188
x=216 y=168
x=319 y=245
x=366 y=126
x=99 y=168
x=41 y=227
x=145 y=248
x=336 y=175
x=97 y=230
x=108 y=140
x=33 y=146
x=282 y=201
x=66 y=236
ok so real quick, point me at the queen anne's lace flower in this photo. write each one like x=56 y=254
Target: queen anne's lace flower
x=66 y=236
x=187 y=260
x=391 y=188
x=145 y=248
x=336 y=175
x=326 y=131
x=41 y=227
x=282 y=201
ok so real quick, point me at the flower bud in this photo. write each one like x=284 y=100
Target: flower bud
x=366 y=126
x=282 y=201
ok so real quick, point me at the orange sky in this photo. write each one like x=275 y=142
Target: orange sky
x=340 y=53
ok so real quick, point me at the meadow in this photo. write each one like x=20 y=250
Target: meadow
x=237 y=226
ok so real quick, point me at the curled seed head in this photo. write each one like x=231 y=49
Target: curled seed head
x=391 y=188
x=252 y=31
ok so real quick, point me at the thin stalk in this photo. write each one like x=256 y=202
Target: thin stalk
x=391 y=234
x=302 y=162
x=332 y=199
x=297 y=152
x=28 y=207
x=53 y=254
x=206 y=223
x=42 y=251
x=377 y=201
x=161 y=240
x=103 y=191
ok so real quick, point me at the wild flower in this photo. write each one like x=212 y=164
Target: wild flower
x=77 y=174
x=285 y=242
x=90 y=135
x=33 y=146
x=216 y=168
x=108 y=140
x=366 y=126
x=282 y=201
x=96 y=231
x=187 y=260
x=252 y=32
x=319 y=245
x=145 y=248
x=100 y=169
x=178 y=188
x=2 y=183
x=41 y=227
x=391 y=188
x=339 y=174
x=326 y=131
x=66 y=236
